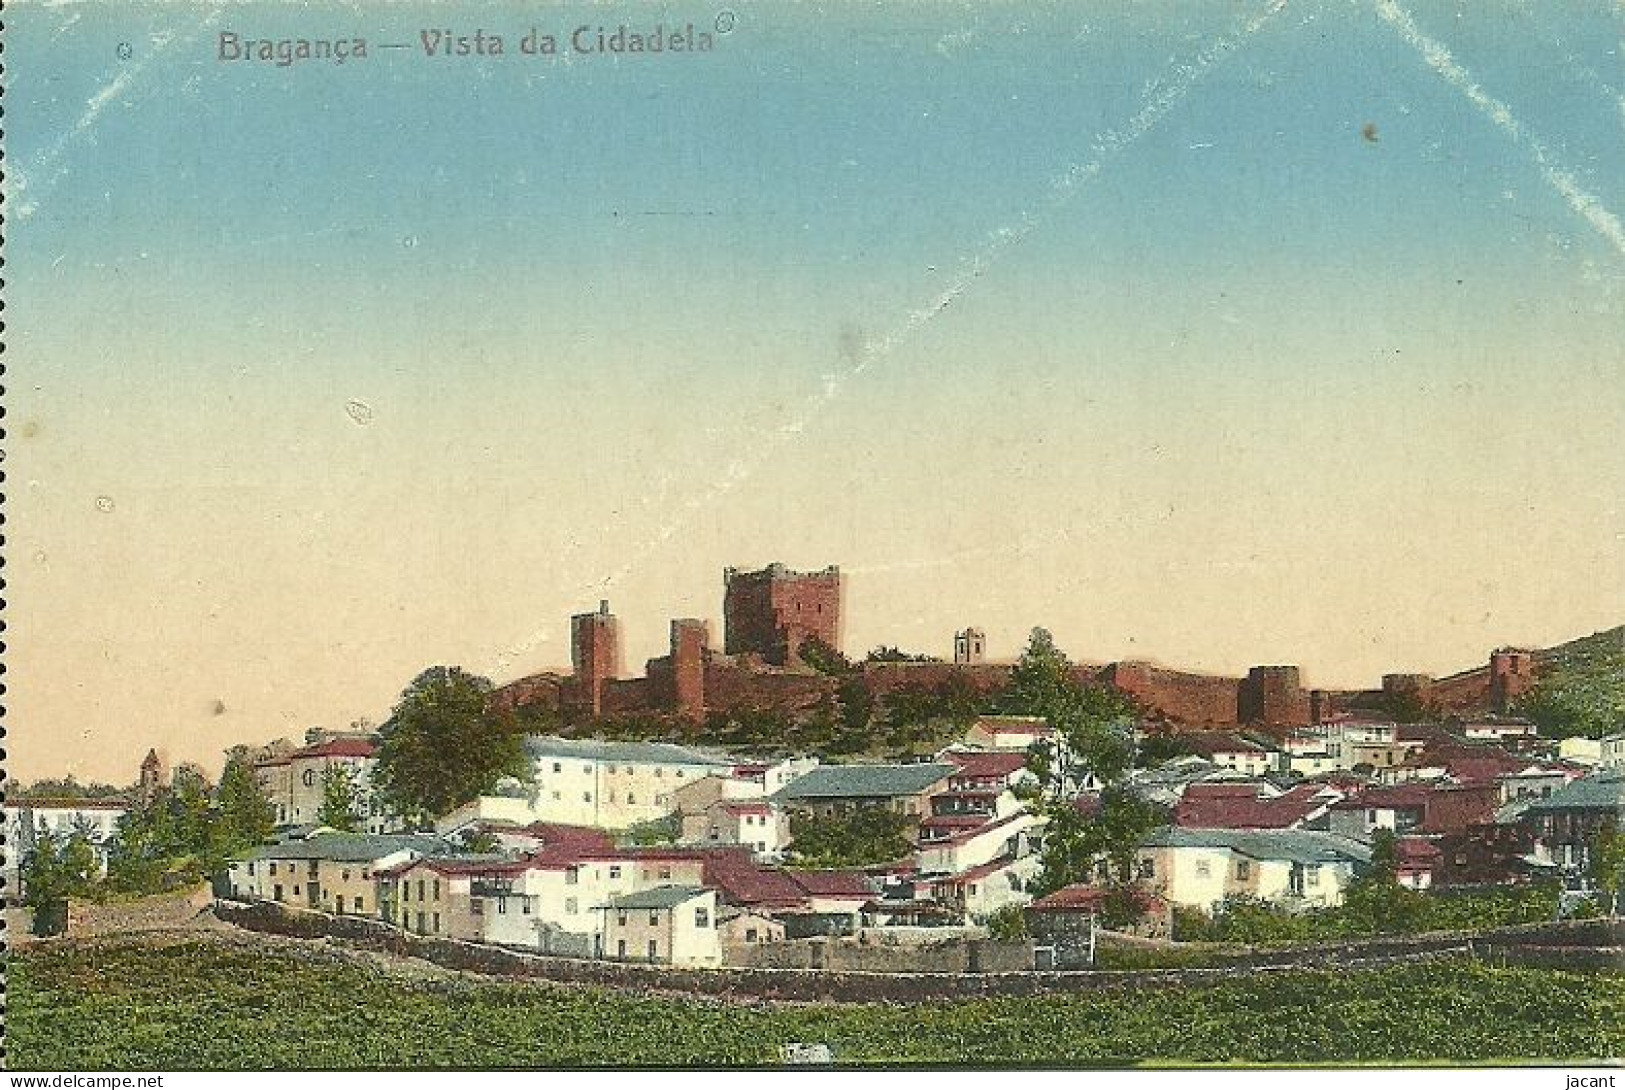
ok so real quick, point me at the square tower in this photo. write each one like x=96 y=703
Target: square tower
x=774 y=611
x=595 y=652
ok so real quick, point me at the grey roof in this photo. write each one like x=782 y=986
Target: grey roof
x=586 y=749
x=1602 y=791
x=1291 y=845
x=863 y=781
x=659 y=897
x=351 y=847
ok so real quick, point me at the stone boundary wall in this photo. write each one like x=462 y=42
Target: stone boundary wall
x=822 y=985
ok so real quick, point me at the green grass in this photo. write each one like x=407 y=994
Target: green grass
x=204 y=1005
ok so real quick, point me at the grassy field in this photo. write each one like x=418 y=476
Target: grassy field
x=204 y=1004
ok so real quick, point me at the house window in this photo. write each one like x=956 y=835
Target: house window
x=346 y=875
x=1312 y=874
x=611 y=770
x=1148 y=868
x=750 y=934
x=557 y=767
x=615 y=872
x=586 y=796
x=702 y=917
x=571 y=906
x=1204 y=869
x=437 y=889
x=502 y=906
x=654 y=919
x=571 y=877
x=296 y=891
x=524 y=903
x=437 y=923
x=359 y=907
x=665 y=872
x=420 y=889
x=477 y=906
x=420 y=922
x=631 y=800
x=620 y=919
x=620 y=949
x=273 y=870
x=654 y=949
x=1244 y=869
x=251 y=869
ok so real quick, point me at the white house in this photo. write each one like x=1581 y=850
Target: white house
x=94 y=819
x=610 y=785
x=295 y=784
x=1005 y=838
x=1611 y=751
x=1295 y=869
x=1008 y=732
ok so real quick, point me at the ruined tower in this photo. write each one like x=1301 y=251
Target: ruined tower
x=1512 y=672
x=595 y=652
x=774 y=611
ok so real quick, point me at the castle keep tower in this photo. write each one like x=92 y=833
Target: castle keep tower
x=969 y=647
x=774 y=611
x=595 y=652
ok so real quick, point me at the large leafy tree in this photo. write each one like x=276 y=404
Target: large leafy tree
x=58 y=867
x=442 y=748
x=1093 y=745
x=1607 y=864
x=246 y=816
x=341 y=799
x=861 y=836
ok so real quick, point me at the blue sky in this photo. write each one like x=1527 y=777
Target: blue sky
x=1253 y=387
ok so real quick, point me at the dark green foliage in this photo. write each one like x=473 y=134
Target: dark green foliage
x=65 y=788
x=664 y=830
x=1008 y=924
x=176 y=839
x=1370 y=909
x=894 y=654
x=202 y=1005
x=859 y=837
x=440 y=747
x=341 y=799
x=1607 y=865
x=823 y=658
x=1094 y=739
x=1581 y=689
x=58 y=867
x=246 y=815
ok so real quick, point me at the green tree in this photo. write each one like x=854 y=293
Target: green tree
x=859 y=837
x=1093 y=742
x=1008 y=924
x=341 y=799
x=1606 y=862
x=247 y=817
x=56 y=868
x=442 y=748
x=823 y=658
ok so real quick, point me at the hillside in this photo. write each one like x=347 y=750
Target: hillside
x=1581 y=688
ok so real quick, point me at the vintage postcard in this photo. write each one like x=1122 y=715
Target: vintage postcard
x=740 y=534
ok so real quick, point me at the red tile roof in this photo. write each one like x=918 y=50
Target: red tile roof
x=1211 y=743
x=834 y=883
x=338 y=747
x=1244 y=806
x=1406 y=796
x=1082 y=898
x=986 y=763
